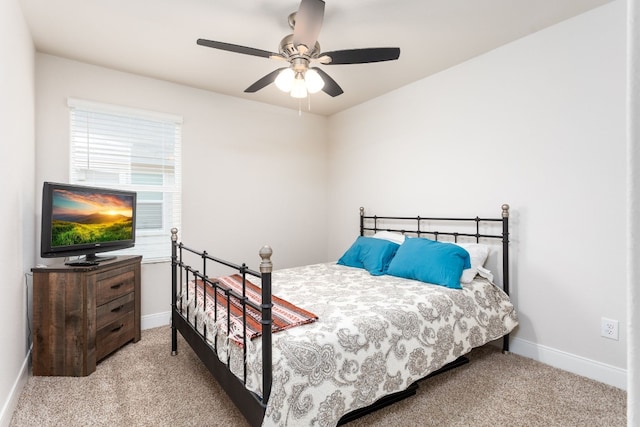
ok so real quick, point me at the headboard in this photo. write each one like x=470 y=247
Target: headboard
x=448 y=229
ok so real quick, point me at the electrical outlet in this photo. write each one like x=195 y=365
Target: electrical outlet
x=609 y=328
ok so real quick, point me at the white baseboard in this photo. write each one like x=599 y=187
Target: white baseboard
x=598 y=371
x=611 y=375
x=155 y=320
x=602 y=372
x=16 y=390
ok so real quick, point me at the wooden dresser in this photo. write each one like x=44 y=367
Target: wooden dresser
x=83 y=314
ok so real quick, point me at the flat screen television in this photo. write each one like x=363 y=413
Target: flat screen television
x=79 y=221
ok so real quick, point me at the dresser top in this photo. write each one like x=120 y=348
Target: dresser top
x=61 y=267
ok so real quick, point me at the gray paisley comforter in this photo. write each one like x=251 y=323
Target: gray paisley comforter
x=375 y=335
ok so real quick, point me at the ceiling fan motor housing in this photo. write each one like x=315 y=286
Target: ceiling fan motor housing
x=290 y=51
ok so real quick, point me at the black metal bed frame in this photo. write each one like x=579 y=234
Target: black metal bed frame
x=250 y=404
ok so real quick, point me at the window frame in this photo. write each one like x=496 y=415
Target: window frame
x=137 y=161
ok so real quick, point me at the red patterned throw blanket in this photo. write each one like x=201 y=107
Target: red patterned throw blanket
x=284 y=314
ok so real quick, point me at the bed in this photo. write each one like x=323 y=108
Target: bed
x=326 y=343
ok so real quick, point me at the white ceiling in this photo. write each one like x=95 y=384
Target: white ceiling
x=157 y=38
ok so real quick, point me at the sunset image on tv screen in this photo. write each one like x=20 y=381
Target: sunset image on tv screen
x=86 y=217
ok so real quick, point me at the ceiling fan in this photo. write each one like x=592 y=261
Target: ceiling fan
x=301 y=49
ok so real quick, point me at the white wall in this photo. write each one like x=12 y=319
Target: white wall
x=17 y=195
x=253 y=174
x=538 y=124
x=633 y=147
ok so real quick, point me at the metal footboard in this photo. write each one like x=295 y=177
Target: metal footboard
x=197 y=338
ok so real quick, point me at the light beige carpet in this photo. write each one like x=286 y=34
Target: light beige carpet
x=143 y=385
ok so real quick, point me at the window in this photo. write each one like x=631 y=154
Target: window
x=135 y=150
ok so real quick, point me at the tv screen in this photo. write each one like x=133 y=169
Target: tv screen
x=83 y=221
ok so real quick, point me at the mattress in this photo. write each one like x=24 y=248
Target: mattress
x=374 y=336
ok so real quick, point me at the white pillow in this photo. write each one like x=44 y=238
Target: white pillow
x=478 y=254
x=390 y=236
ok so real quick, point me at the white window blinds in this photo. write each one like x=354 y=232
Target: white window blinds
x=129 y=149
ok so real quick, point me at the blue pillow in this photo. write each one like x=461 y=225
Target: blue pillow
x=430 y=261
x=374 y=255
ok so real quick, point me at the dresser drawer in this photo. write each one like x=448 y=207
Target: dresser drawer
x=113 y=284
x=107 y=313
x=83 y=314
x=114 y=335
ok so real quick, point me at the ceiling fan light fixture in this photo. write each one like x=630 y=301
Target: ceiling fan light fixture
x=285 y=79
x=299 y=88
x=313 y=81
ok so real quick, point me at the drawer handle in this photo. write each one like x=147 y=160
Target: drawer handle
x=117 y=309
x=116 y=286
x=118 y=328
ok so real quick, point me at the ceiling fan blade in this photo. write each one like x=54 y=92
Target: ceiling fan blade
x=362 y=56
x=330 y=86
x=236 y=48
x=265 y=81
x=308 y=22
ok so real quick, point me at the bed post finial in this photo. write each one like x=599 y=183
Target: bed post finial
x=174 y=234
x=505 y=211
x=361 y=211
x=266 y=266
